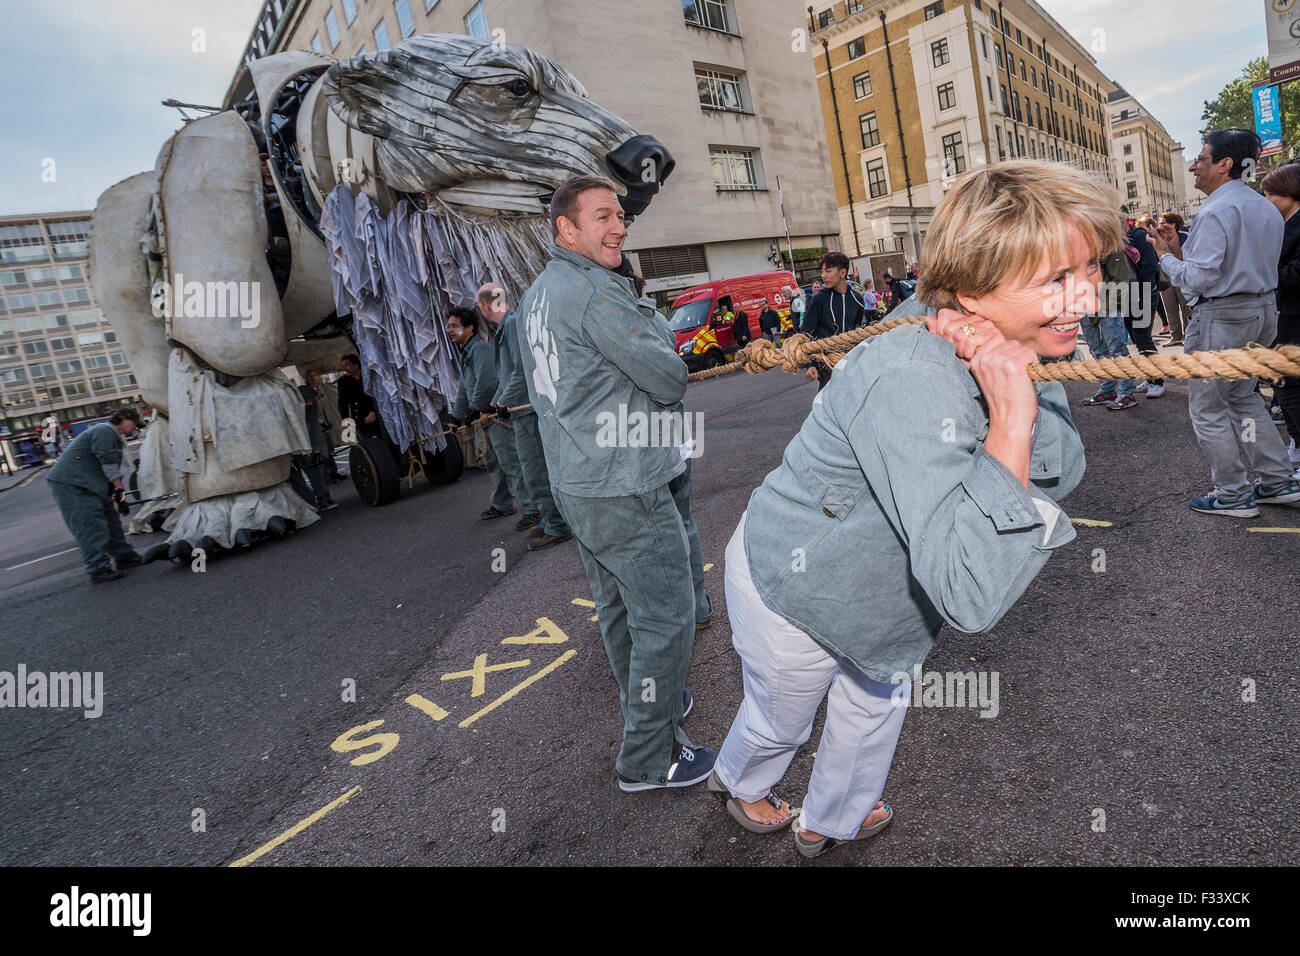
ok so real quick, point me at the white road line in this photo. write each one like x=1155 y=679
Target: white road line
x=55 y=555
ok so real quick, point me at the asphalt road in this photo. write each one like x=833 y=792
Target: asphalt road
x=227 y=721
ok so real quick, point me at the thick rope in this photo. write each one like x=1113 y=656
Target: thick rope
x=796 y=352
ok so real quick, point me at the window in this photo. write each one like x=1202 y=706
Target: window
x=22 y=300
x=1015 y=102
x=1019 y=39
x=40 y=274
x=76 y=296
x=719 y=90
x=876 y=178
x=855 y=6
x=989 y=81
x=947 y=97
x=332 y=27
x=16 y=277
x=939 y=52
x=84 y=317
x=1005 y=106
x=69 y=367
x=104 y=384
x=857 y=47
x=932 y=10
x=96 y=361
x=1132 y=190
x=735 y=168
x=1022 y=71
x=70 y=272
x=712 y=14
x=1128 y=167
x=984 y=45
x=90 y=338
x=861 y=85
x=35 y=348
x=42 y=371
x=1033 y=152
x=11 y=376
x=825 y=19
x=48 y=298
x=349 y=10
x=381 y=37
x=1038 y=111
x=315 y=43
x=75 y=388
x=870 y=132
x=993 y=17
x=997 y=54
x=125 y=381
x=954 y=160
x=1128 y=149
x=118 y=359
x=476 y=24
x=61 y=345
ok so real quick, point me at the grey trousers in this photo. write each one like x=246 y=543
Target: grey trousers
x=94 y=522
x=502 y=463
x=1177 y=311
x=787 y=675
x=1234 y=428
x=681 y=491
x=637 y=560
x=537 y=480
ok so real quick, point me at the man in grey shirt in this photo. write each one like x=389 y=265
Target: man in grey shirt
x=602 y=381
x=1228 y=273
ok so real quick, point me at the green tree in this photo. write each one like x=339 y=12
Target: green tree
x=1235 y=106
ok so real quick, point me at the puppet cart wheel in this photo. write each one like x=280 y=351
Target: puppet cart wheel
x=446 y=466
x=374 y=472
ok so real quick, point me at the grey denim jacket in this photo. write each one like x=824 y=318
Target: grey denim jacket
x=511 y=390
x=886 y=516
x=590 y=359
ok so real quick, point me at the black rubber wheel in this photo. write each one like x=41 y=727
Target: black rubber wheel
x=713 y=358
x=374 y=472
x=446 y=466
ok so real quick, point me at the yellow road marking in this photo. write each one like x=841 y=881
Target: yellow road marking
x=518 y=687
x=1277 y=530
x=297 y=828
x=546 y=632
x=583 y=602
x=478 y=673
x=427 y=706
x=1092 y=524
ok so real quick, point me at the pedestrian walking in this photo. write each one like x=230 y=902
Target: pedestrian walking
x=90 y=501
x=592 y=358
x=1229 y=272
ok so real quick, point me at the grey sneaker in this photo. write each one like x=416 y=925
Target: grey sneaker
x=1287 y=493
x=1212 y=504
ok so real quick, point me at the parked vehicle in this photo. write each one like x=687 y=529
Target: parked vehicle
x=693 y=309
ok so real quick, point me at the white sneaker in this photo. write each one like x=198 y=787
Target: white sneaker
x=1155 y=391
x=1142 y=386
x=1293 y=453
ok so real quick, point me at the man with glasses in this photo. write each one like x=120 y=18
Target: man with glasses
x=1228 y=272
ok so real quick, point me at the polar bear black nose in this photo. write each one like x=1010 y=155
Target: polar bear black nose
x=641 y=161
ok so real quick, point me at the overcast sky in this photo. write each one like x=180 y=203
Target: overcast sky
x=81 y=80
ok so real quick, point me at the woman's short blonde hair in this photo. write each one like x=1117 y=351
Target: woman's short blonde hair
x=998 y=221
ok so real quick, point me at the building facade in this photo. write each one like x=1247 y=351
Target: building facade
x=915 y=93
x=1144 y=156
x=58 y=355
x=716 y=81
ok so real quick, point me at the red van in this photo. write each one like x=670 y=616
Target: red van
x=692 y=309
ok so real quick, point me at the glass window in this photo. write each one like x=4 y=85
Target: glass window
x=349 y=10
x=35 y=348
x=118 y=359
x=1132 y=190
x=1023 y=75
x=48 y=298
x=84 y=317
x=21 y=300
x=1128 y=167
x=714 y=14
x=939 y=52
x=857 y=48
x=381 y=36
x=41 y=274
x=862 y=85
x=405 y=19
x=984 y=46
x=90 y=338
x=825 y=19
x=870 y=132
x=735 y=168
x=70 y=272
x=69 y=367
x=947 y=97
x=61 y=345
x=989 y=81
x=718 y=90
x=42 y=371
x=876 y=178
x=13 y=277
x=125 y=381
x=76 y=296
x=11 y=376
x=932 y=10
x=316 y=44
x=332 y=27
x=954 y=160
x=96 y=361
x=55 y=322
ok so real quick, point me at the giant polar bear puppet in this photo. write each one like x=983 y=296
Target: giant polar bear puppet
x=489 y=129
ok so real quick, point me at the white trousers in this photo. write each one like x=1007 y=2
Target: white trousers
x=787 y=674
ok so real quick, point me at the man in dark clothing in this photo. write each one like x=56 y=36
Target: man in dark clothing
x=354 y=403
x=740 y=328
x=315 y=464
x=897 y=291
x=769 y=322
x=90 y=501
x=1146 y=304
x=833 y=310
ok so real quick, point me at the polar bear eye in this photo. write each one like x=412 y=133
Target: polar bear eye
x=519 y=88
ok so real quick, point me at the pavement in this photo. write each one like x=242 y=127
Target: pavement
x=409 y=685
